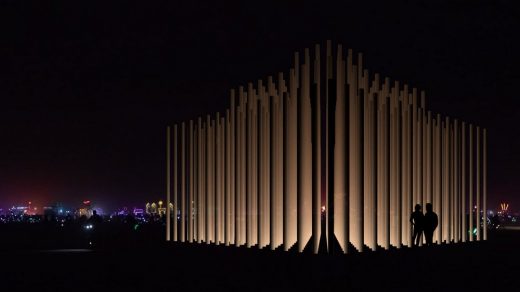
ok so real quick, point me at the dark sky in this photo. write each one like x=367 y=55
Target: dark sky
x=88 y=87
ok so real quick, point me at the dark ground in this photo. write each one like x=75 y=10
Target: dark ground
x=494 y=264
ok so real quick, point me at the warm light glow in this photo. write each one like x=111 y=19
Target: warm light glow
x=385 y=152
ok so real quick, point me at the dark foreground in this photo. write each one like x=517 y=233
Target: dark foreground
x=458 y=267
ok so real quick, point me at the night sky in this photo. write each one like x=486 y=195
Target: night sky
x=87 y=89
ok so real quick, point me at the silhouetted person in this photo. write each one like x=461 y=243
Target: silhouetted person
x=95 y=219
x=95 y=232
x=431 y=220
x=417 y=220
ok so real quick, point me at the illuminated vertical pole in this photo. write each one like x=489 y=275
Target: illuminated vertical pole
x=232 y=158
x=379 y=128
x=227 y=184
x=252 y=194
x=414 y=160
x=168 y=200
x=438 y=176
x=442 y=178
x=213 y=201
x=446 y=197
x=316 y=153
x=484 y=180
x=355 y=166
x=259 y=169
x=207 y=174
x=249 y=190
x=216 y=177
x=190 y=185
x=455 y=176
x=424 y=155
x=183 y=182
x=463 y=183
x=450 y=182
x=434 y=158
x=222 y=178
x=340 y=155
x=200 y=191
x=243 y=168
x=417 y=199
x=397 y=222
x=382 y=160
x=257 y=174
x=269 y=149
x=208 y=180
x=175 y=183
x=223 y=175
x=443 y=230
x=273 y=138
x=395 y=169
x=453 y=190
x=379 y=222
x=407 y=177
x=204 y=171
x=459 y=181
x=399 y=154
x=217 y=174
x=470 y=174
x=368 y=165
x=195 y=183
x=430 y=157
x=374 y=142
x=213 y=190
x=291 y=160
x=418 y=152
x=478 y=186
x=209 y=238
x=280 y=160
x=305 y=159
x=238 y=169
x=210 y=164
x=263 y=176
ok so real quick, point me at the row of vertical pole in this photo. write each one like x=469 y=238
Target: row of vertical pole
x=259 y=174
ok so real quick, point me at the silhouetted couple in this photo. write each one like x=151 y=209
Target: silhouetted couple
x=423 y=223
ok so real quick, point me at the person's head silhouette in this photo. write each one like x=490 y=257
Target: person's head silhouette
x=418 y=207
x=94 y=212
x=429 y=207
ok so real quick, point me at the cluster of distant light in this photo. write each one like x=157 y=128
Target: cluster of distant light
x=125 y=211
x=23 y=212
x=11 y=218
x=67 y=219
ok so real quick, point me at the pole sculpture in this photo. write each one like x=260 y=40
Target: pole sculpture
x=258 y=174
